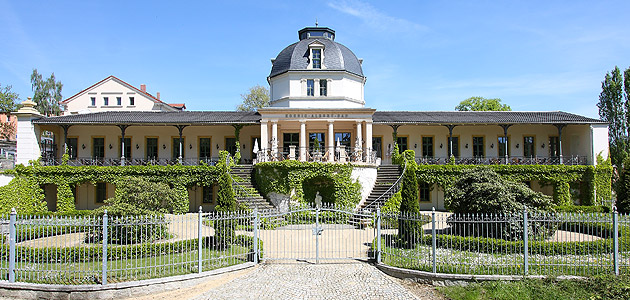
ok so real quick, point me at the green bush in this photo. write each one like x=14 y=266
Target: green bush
x=483 y=192
x=582 y=209
x=23 y=194
x=136 y=212
x=392 y=205
x=409 y=230
x=623 y=188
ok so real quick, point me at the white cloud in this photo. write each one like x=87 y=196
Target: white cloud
x=376 y=19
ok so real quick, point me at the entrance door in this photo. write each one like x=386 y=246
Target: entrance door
x=377 y=146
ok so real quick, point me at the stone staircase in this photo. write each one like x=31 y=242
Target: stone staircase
x=385 y=178
x=244 y=189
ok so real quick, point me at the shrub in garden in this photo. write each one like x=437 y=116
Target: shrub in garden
x=226 y=202
x=490 y=198
x=409 y=230
x=136 y=212
x=623 y=188
x=24 y=195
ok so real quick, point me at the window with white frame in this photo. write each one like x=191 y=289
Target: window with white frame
x=323 y=87
x=92 y=101
x=105 y=101
x=310 y=87
x=317 y=58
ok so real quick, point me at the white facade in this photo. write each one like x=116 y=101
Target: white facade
x=344 y=90
x=113 y=94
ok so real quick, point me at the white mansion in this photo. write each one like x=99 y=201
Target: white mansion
x=317 y=113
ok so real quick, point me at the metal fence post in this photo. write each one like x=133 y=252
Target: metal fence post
x=378 y=235
x=433 y=241
x=12 y=237
x=616 y=240
x=255 y=235
x=199 y=237
x=525 y=243
x=317 y=235
x=104 y=280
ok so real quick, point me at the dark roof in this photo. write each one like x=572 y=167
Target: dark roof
x=337 y=57
x=480 y=117
x=156 y=118
x=379 y=117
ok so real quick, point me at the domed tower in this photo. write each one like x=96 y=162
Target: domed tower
x=317 y=109
x=316 y=72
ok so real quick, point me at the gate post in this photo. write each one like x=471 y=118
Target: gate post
x=433 y=241
x=616 y=240
x=104 y=280
x=256 y=235
x=199 y=237
x=378 y=235
x=525 y=243
x=317 y=235
x=12 y=240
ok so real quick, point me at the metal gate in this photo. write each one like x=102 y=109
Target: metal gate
x=317 y=234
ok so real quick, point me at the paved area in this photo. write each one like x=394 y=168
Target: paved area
x=354 y=280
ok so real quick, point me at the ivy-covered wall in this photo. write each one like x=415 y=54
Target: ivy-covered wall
x=66 y=177
x=595 y=180
x=333 y=181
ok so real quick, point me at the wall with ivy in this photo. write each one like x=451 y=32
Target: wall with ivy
x=333 y=181
x=595 y=181
x=65 y=177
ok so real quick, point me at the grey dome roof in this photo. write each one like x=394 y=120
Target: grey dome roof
x=337 y=57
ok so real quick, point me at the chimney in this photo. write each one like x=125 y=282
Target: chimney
x=143 y=87
x=157 y=95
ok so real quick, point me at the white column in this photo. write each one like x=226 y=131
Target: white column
x=303 y=141
x=331 y=141
x=274 y=138
x=28 y=134
x=359 y=140
x=316 y=91
x=368 y=141
x=264 y=139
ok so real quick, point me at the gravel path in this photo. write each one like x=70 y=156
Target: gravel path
x=354 y=280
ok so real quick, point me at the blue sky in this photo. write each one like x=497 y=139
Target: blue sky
x=424 y=55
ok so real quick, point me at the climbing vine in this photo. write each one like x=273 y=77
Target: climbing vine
x=595 y=181
x=66 y=177
x=290 y=175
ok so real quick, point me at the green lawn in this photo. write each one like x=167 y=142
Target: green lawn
x=595 y=288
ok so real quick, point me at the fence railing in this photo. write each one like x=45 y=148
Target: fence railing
x=99 y=161
x=109 y=249
x=511 y=160
x=512 y=244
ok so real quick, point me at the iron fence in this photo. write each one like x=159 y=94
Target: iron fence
x=511 y=160
x=109 y=249
x=507 y=244
x=99 y=161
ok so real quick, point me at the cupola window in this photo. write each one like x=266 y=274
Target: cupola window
x=323 y=87
x=317 y=58
x=310 y=87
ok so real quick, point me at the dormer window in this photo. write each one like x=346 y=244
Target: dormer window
x=310 y=87
x=317 y=58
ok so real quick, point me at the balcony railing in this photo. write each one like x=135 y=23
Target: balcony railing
x=512 y=160
x=94 y=161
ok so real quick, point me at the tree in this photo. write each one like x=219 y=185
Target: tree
x=614 y=110
x=8 y=99
x=46 y=93
x=482 y=104
x=258 y=97
x=409 y=230
x=7 y=130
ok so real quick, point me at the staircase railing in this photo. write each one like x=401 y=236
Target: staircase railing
x=390 y=192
